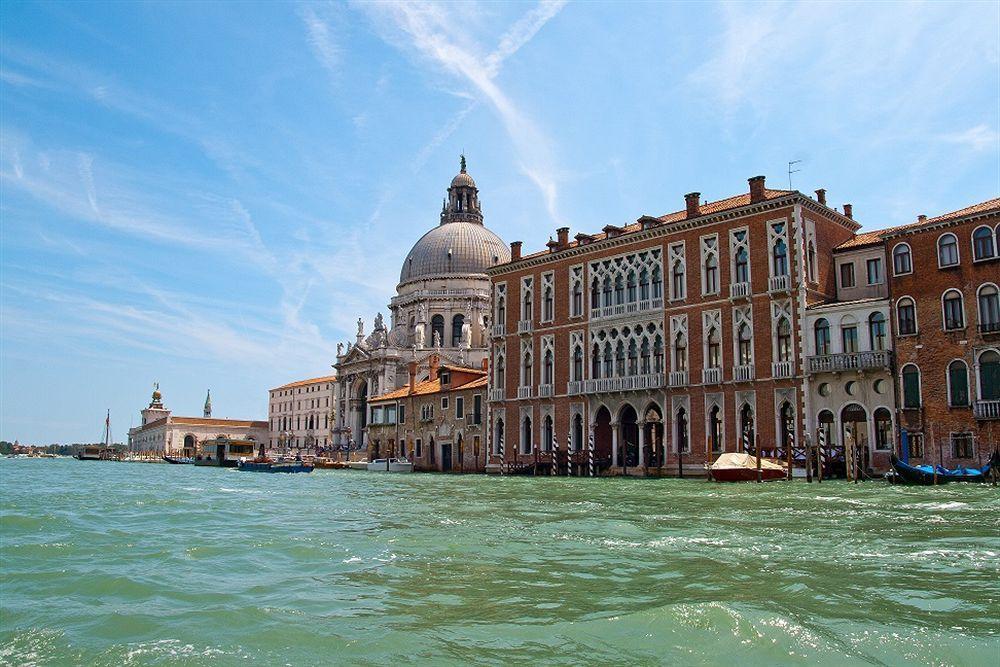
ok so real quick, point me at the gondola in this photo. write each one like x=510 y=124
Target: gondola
x=925 y=474
x=179 y=460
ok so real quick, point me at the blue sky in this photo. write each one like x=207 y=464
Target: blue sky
x=208 y=195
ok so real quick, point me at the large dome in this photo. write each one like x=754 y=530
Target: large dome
x=454 y=248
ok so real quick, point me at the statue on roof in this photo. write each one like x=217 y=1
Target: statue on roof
x=379 y=322
x=462 y=157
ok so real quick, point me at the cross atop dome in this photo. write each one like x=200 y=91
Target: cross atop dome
x=463 y=199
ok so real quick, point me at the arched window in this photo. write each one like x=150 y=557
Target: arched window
x=643 y=285
x=456 y=330
x=989 y=375
x=714 y=357
x=982 y=244
x=876 y=330
x=780 y=254
x=811 y=260
x=547 y=433
x=526 y=370
x=526 y=306
x=547 y=304
x=644 y=357
x=547 y=367
x=658 y=355
x=657 y=283
x=606 y=302
x=911 y=386
x=619 y=291
x=501 y=373
x=609 y=363
x=595 y=294
x=715 y=428
x=683 y=445
x=989 y=309
x=954 y=314
x=677 y=280
x=577 y=363
x=902 y=262
x=742 y=266
x=947 y=250
x=784 y=340
x=595 y=362
x=711 y=275
x=633 y=358
x=577 y=298
x=620 y=359
x=680 y=353
x=822 y=336
x=577 y=433
x=745 y=345
x=883 y=430
x=501 y=310
x=526 y=435
x=958 y=384
x=437 y=330
x=630 y=295
x=906 y=316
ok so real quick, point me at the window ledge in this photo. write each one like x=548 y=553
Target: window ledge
x=949 y=267
x=904 y=273
x=986 y=260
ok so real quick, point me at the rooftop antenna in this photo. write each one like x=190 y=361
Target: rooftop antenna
x=792 y=171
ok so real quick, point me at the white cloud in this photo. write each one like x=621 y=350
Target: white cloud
x=977 y=139
x=320 y=39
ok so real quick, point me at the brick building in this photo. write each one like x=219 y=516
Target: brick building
x=943 y=282
x=436 y=422
x=667 y=340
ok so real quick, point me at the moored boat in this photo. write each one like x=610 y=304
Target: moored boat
x=740 y=467
x=929 y=475
x=264 y=464
x=102 y=452
x=179 y=460
x=390 y=465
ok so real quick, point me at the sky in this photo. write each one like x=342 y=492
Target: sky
x=208 y=195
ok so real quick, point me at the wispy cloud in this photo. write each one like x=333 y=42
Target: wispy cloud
x=318 y=34
x=431 y=31
x=979 y=138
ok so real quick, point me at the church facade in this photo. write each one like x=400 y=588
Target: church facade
x=441 y=307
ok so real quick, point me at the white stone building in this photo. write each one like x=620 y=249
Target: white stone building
x=301 y=415
x=442 y=306
x=161 y=431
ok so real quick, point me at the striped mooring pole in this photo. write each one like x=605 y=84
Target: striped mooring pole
x=569 y=461
x=555 y=452
x=590 y=453
x=503 y=459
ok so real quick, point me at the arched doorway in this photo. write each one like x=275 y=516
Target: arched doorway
x=190 y=445
x=681 y=432
x=747 y=433
x=653 y=436
x=854 y=424
x=628 y=445
x=602 y=436
x=526 y=435
x=360 y=415
x=578 y=432
x=786 y=428
x=716 y=443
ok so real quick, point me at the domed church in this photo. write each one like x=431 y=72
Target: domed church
x=441 y=307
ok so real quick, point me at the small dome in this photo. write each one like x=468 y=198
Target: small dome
x=452 y=249
x=463 y=180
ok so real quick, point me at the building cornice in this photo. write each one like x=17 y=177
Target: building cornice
x=940 y=224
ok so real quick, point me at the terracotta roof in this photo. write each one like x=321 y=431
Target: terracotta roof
x=475 y=384
x=208 y=421
x=707 y=208
x=877 y=236
x=303 y=383
x=434 y=386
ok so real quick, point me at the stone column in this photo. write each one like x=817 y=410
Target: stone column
x=642 y=444
x=614 y=444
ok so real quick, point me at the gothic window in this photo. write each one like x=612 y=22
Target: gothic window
x=500 y=372
x=547 y=367
x=619 y=291
x=958 y=384
x=677 y=284
x=526 y=305
x=811 y=260
x=954 y=316
x=630 y=287
x=609 y=369
x=822 y=336
x=911 y=386
x=786 y=427
x=457 y=322
x=947 y=250
x=902 y=262
x=989 y=375
x=989 y=309
x=876 y=330
x=644 y=357
x=680 y=353
x=620 y=359
x=547 y=304
x=780 y=254
x=657 y=283
x=643 y=285
x=607 y=292
x=437 y=329
x=633 y=358
x=526 y=435
x=982 y=244
x=715 y=428
x=711 y=275
x=906 y=316
x=742 y=266
x=714 y=357
x=747 y=435
x=745 y=345
x=784 y=340
x=526 y=370
x=595 y=363
x=595 y=293
x=577 y=433
x=658 y=355
x=576 y=291
x=577 y=363
x=547 y=433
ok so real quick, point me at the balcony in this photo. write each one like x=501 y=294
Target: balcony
x=986 y=409
x=779 y=284
x=743 y=373
x=575 y=387
x=499 y=331
x=781 y=369
x=524 y=392
x=496 y=394
x=850 y=361
x=711 y=376
x=473 y=419
x=627 y=383
x=739 y=291
x=678 y=378
x=544 y=391
x=626 y=309
x=524 y=326
x=989 y=328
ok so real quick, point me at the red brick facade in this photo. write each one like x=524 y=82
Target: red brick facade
x=649 y=403
x=948 y=372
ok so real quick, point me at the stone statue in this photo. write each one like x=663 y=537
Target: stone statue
x=340 y=349
x=422 y=313
x=437 y=339
x=348 y=348
x=418 y=336
x=466 y=333
x=361 y=327
x=379 y=322
x=481 y=322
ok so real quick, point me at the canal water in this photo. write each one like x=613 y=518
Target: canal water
x=115 y=563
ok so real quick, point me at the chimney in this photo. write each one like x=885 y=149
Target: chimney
x=433 y=362
x=562 y=235
x=821 y=196
x=515 y=251
x=848 y=211
x=486 y=364
x=756 y=189
x=412 y=367
x=693 y=205
x=921 y=218
x=553 y=246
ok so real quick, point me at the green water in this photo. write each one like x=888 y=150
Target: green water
x=115 y=563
